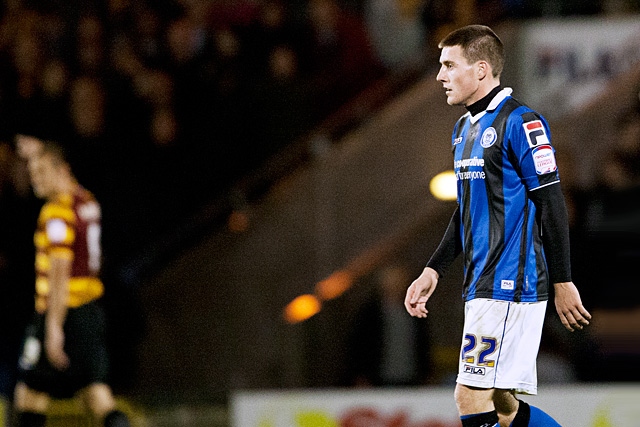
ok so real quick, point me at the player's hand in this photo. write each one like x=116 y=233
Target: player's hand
x=569 y=306
x=54 y=347
x=420 y=291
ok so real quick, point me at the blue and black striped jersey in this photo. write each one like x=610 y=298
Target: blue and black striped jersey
x=500 y=155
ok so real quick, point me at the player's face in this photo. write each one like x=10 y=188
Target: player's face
x=28 y=146
x=459 y=78
x=44 y=175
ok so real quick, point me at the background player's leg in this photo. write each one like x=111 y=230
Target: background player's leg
x=30 y=406
x=116 y=418
x=99 y=399
x=30 y=419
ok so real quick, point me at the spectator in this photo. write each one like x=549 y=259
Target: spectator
x=272 y=27
x=148 y=37
x=281 y=104
x=342 y=60
x=87 y=107
x=90 y=51
x=396 y=31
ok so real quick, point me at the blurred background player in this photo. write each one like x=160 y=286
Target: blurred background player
x=64 y=351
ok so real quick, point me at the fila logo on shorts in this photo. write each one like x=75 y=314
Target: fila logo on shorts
x=475 y=370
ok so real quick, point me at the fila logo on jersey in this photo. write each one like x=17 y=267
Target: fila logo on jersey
x=536 y=134
x=507 y=285
x=474 y=370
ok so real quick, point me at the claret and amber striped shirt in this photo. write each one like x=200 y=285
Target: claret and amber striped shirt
x=69 y=226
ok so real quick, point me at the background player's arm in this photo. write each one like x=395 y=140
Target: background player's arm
x=59 y=275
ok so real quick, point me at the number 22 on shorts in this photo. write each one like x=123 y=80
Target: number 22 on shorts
x=485 y=348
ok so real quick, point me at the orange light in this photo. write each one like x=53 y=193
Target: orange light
x=301 y=308
x=238 y=221
x=334 y=285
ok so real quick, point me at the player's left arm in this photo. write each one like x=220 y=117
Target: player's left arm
x=534 y=157
x=550 y=204
x=59 y=275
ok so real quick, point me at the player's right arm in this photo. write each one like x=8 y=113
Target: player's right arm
x=420 y=291
x=56 y=314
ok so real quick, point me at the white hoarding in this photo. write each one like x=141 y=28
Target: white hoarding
x=564 y=63
x=572 y=406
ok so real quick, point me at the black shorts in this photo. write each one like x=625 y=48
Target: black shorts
x=85 y=345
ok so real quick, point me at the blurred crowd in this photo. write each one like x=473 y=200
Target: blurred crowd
x=165 y=103
x=166 y=99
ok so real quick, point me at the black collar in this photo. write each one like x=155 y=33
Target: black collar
x=481 y=105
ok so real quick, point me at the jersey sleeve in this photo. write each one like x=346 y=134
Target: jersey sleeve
x=555 y=231
x=450 y=246
x=533 y=152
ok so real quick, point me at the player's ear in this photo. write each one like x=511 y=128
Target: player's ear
x=482 y=69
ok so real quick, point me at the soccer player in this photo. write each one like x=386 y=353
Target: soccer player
x=511 y=227
x=64 y=349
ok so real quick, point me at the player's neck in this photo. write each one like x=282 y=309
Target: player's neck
x=66 y=185
x=482 y=104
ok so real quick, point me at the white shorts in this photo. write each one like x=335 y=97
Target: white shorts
x=500 y=344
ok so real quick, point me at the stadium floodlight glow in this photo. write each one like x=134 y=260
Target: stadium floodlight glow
x=334 y=285
x=443 y=186
x=302 y=308
x=238 y=221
